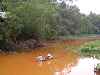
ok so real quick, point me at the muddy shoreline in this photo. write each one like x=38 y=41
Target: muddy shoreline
x=31 y=44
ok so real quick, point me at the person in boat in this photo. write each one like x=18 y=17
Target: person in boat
x=49 y=56
x=44 y=58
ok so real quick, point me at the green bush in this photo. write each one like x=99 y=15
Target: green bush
x=91 y=48
x=26 y=20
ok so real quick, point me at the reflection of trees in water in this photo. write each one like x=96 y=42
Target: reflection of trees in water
x=62 y=63
x=65 y=71
x=59 y=67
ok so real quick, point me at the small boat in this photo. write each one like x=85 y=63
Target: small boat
x=40 y=58
x=44 y=58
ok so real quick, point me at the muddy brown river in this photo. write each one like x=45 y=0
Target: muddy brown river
x=65 y=62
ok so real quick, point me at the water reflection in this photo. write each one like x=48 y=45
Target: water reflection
x=64 y=63
x=84 y=66
x=64 y=71
x=60 y=65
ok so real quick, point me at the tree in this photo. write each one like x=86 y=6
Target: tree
x=31 y=16
x=95 y=20
x=68 y=19
x=27 y=19
x=86 y=26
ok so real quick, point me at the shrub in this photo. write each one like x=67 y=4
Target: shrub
x=91 y=48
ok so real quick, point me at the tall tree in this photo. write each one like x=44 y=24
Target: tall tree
x=31 y=16
x=68 y=18
x=95 y=20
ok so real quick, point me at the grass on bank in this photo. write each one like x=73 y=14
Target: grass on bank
x=91 y=49
x=78 y=36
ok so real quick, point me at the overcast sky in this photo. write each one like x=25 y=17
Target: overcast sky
x=88 y=5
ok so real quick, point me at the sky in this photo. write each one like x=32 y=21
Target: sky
x=86 y=6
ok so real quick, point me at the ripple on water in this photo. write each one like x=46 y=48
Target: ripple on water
x=65 y=63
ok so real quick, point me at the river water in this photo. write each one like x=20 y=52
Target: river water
x=65 y=62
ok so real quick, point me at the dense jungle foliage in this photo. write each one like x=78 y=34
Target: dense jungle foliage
x=36 y=20
x=91 y=49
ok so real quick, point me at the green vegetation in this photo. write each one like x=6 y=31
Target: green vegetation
x=36 y=20
x=91 y=49
x=98 y=67
x=26 y=20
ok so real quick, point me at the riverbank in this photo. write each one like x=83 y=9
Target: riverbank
x=31 y=44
